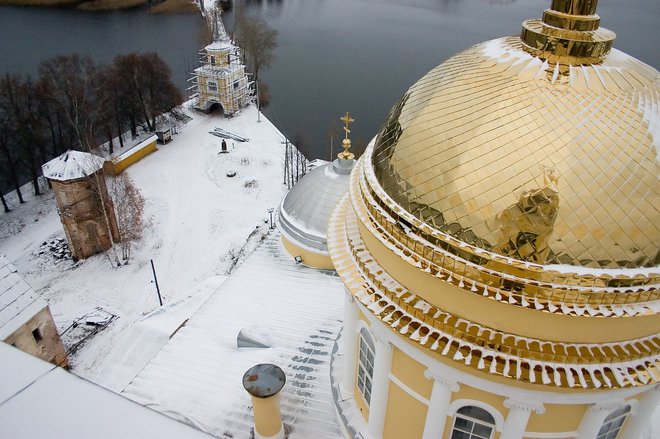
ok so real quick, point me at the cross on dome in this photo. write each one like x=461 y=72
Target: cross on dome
x=346 y=143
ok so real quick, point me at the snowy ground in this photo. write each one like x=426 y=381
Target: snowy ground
x=199 y=221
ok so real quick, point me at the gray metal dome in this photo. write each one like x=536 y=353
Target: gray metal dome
x=305 y=210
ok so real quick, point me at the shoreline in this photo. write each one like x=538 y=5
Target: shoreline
x=163 y=7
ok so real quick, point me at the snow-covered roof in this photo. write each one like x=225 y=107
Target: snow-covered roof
x=304 y=221
x=132 y=150
x=208 y=69
x=72 y=165
x=68 y=406
x=197 y=376
x=18 y=301
x=220 y=45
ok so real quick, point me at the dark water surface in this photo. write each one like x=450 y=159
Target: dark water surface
x=333 y=56
x=30 y=35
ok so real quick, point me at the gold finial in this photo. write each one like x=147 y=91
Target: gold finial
x=346 y=143
x=568 y=34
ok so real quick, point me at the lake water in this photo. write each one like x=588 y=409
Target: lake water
x=29 y=35
x=333 y=56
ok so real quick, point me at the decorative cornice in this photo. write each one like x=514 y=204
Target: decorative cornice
x=438 y=378
x=398 y=310
x=608 y=406
x=537 y=407
x=380 y=336
x=625 y=293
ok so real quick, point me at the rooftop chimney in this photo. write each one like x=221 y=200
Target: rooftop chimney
x=264 y=382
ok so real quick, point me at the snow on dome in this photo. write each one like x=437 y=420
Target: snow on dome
x=305 y=210
x=72 y=165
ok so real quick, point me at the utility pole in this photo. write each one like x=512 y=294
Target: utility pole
x=258 y=105
x=160 y=299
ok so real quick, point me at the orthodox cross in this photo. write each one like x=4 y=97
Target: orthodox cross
x=346 y=143
x=347 y=122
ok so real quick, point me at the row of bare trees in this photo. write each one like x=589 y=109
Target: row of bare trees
x=76 y=104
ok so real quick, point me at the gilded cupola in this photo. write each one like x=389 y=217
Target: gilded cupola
x=506 y=216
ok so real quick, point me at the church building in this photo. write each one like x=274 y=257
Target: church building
x=499 y=246
x=221 y=80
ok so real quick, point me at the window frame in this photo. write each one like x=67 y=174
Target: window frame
x=212 y=86
x=616 y=418
x=491 y=423
x=366 y=356
x=37 y=335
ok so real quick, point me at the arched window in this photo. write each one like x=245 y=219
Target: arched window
x=613 y=423
x=472 y=422
x=365 y=365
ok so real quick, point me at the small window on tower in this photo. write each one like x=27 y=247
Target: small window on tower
x=37 y=335
x=213 y=86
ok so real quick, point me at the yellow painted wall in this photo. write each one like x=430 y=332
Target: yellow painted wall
x=505 y=317
x=267 y=415
x=467 y=392
x=557 y=418
x=121 y=165
x=309 y=258
x=405 y=415
x=220 y=57
x=411 y=373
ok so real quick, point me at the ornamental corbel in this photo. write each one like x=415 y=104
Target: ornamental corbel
x=528 y=406
x=440 y=379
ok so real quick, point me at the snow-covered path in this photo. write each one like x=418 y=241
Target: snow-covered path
x=198 y=218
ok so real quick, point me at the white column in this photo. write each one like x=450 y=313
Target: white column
x=349 y=345
x=640 y=418
x=436 y=414
x=593 y=419
x=379 y=388
x=516 y=420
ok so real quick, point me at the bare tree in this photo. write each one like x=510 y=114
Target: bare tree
x=257 y=40
x=23 y=104
x=264 y=94
x=74 y=84
x=295 y=163
x=129 y=210
x=333 y=133
x=237 y=13
x=8 y=152
x=22 y=129
x=5 y=205
x=143 y=88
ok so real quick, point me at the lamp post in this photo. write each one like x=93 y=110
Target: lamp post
x=270 y=213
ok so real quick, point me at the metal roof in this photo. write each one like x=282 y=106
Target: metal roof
x=72 y=165
x=305 y=210
x=69 y=406
x=197 y=377
x=18 y=301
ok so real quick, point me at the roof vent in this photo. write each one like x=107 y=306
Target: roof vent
x=250 y=341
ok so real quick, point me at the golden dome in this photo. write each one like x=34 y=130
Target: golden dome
x=506 y=215
x=541 y=162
